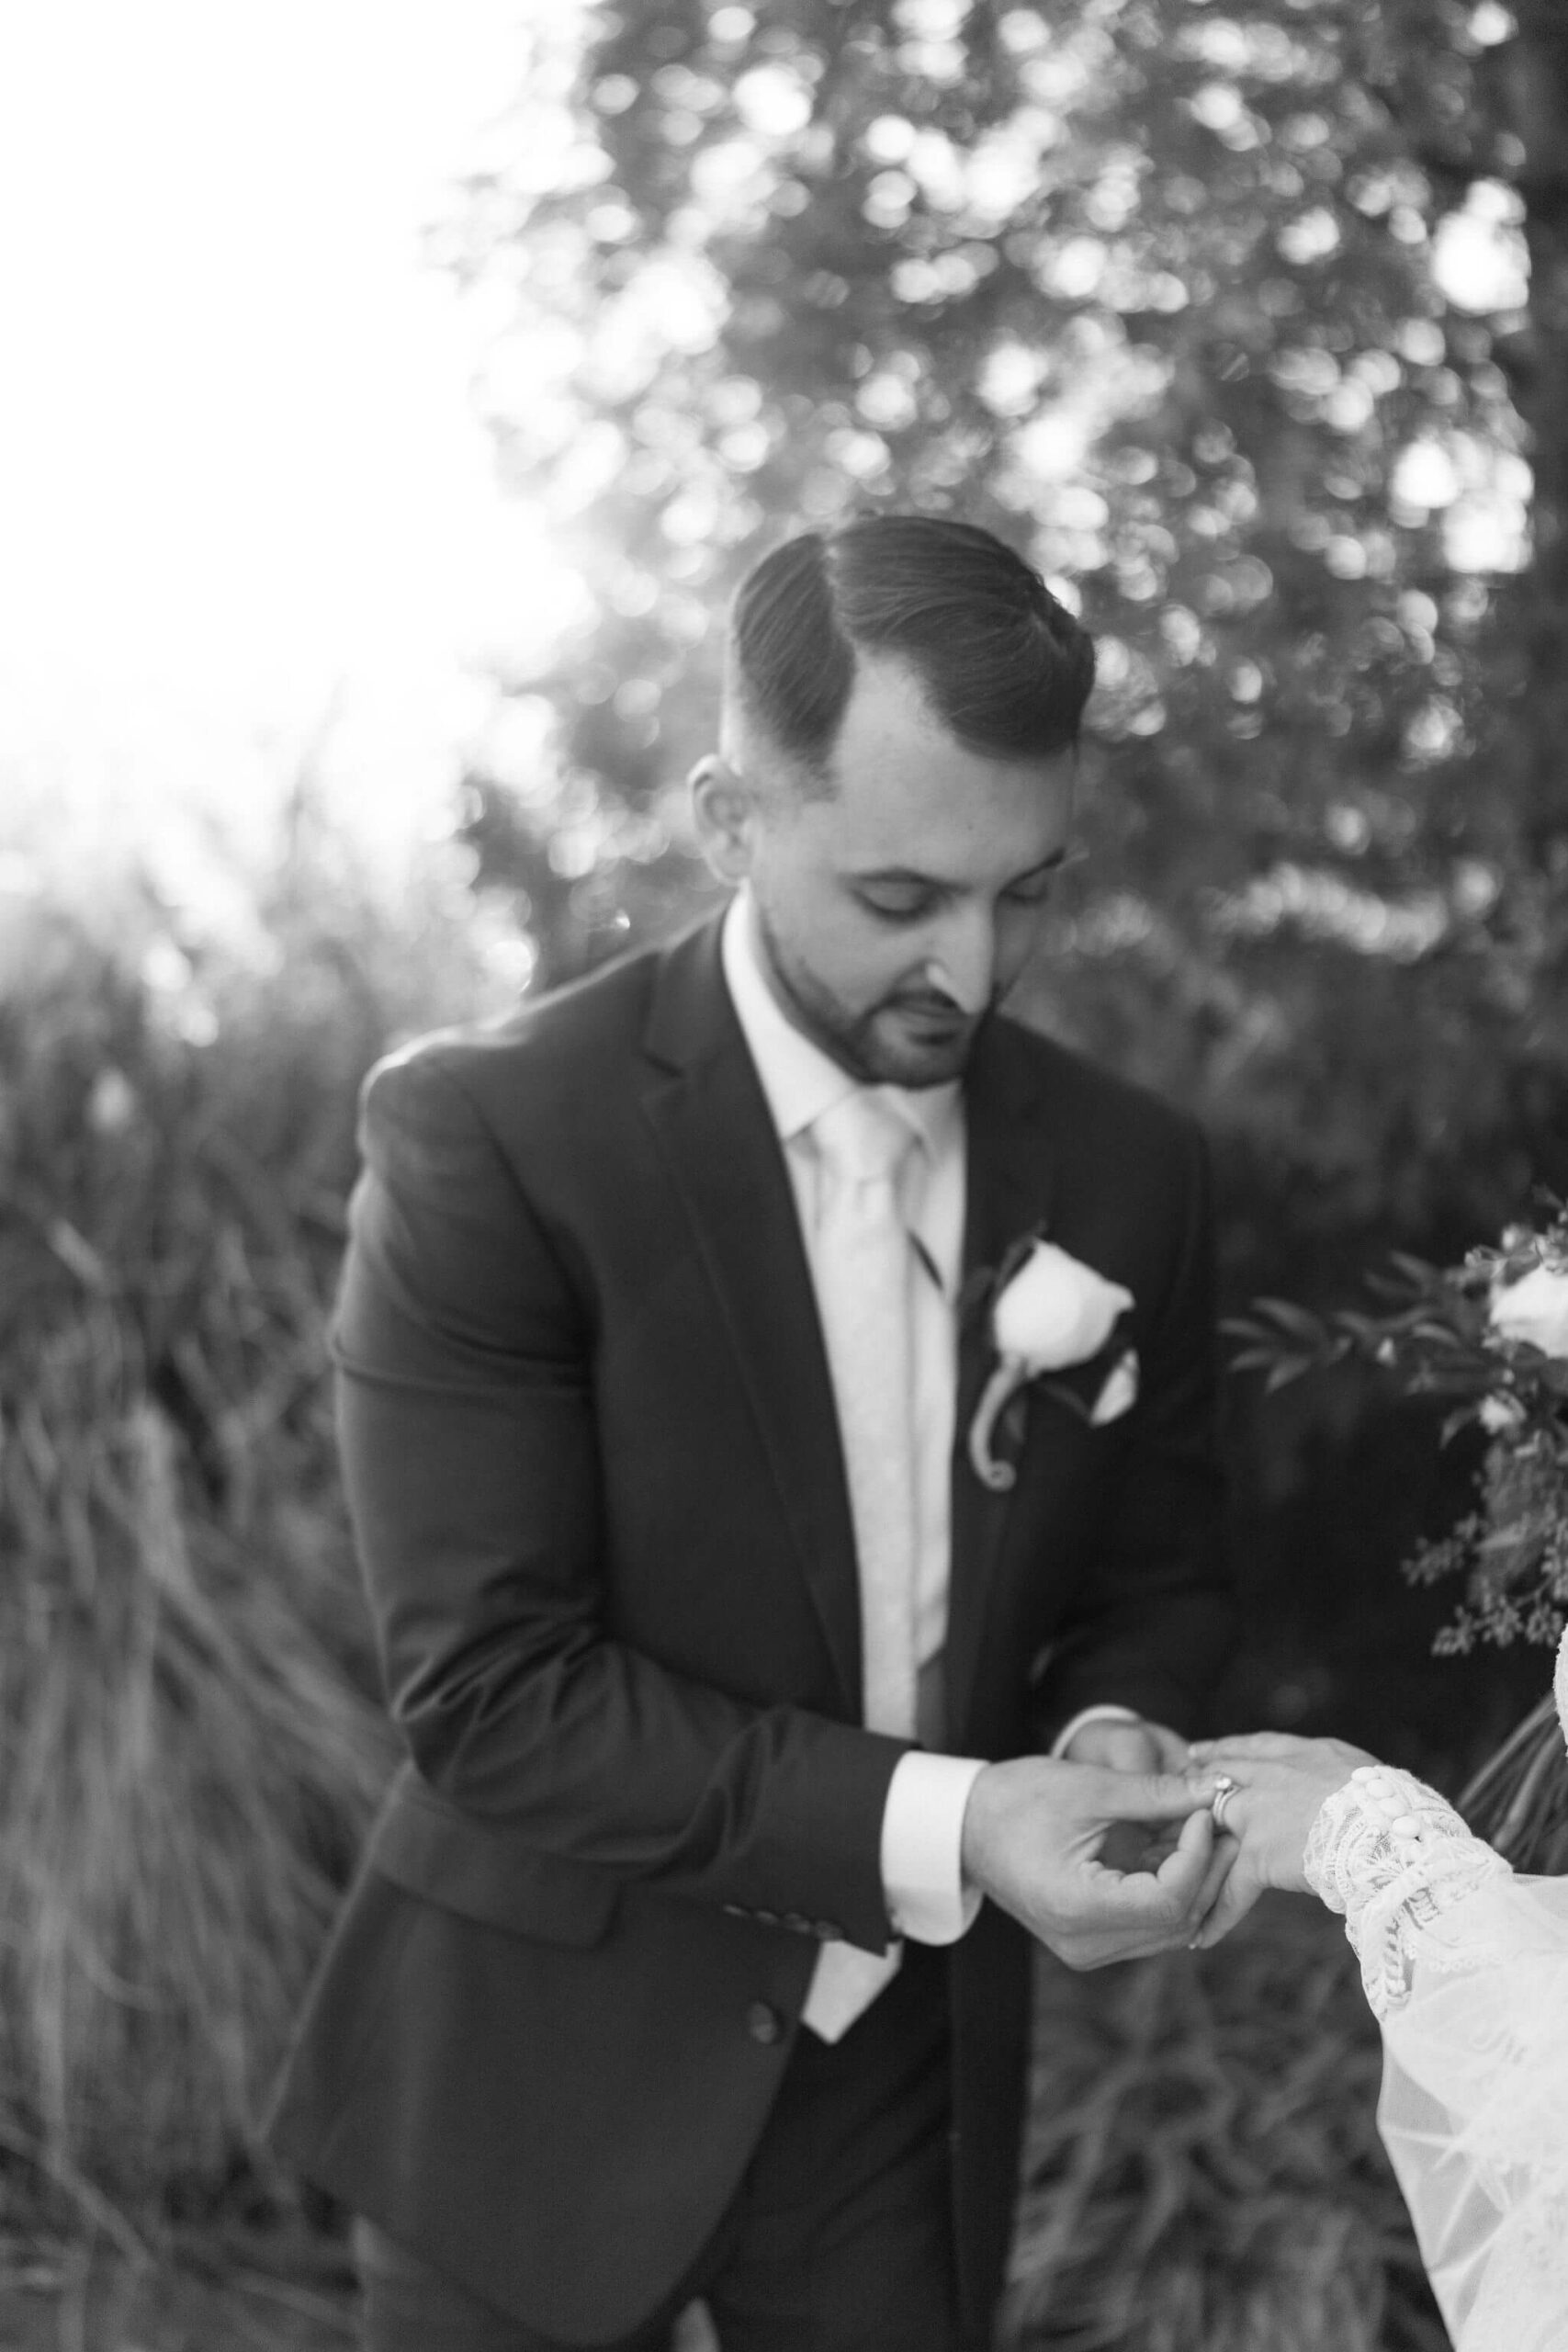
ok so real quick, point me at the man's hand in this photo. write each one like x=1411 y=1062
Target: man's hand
x=1131 y=1746
x=1034 y=1837
x=1127 y=1744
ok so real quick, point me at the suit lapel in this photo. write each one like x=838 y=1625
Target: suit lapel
x=1010 y=1170
x=706 y=1106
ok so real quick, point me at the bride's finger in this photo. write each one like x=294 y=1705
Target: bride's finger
x=1221 y=1863
x=1234 y=1901
x=1240 y=1748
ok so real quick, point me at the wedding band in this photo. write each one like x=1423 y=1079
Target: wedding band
x=1224 y=1789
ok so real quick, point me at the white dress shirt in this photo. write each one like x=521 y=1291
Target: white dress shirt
x=922 y=1825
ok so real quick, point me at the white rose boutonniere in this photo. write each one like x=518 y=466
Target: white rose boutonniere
x=1051 y=1313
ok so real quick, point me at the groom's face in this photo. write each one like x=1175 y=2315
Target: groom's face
x=897 y=910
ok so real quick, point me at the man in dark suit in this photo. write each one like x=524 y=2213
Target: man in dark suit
x=691 y=1953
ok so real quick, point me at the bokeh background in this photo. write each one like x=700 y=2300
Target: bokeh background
x=392 y=398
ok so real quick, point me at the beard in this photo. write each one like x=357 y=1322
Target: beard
x=914 y=1036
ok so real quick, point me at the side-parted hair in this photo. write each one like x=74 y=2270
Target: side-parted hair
x=1008 y=668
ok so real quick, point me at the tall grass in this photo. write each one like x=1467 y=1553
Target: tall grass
x=1203 y=2172
x=191 y=1737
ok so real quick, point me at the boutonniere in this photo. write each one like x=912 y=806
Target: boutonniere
x=1051 y=1312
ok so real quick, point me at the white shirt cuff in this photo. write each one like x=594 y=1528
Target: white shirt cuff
x=922 y=1838
x=1069 y=1732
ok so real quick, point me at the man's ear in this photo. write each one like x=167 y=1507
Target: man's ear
x=724 y=815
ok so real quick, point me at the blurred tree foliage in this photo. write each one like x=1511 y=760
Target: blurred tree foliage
x=1238 y=321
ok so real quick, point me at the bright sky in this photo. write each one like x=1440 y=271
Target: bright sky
x=241 y=486
x=246 y=506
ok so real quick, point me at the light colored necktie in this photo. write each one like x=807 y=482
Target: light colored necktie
x=865 y=1265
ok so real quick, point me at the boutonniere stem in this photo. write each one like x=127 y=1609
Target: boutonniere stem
x=1004 y=1384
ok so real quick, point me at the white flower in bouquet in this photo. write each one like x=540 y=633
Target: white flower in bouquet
x=1534 y=1309
x=1491 y=1337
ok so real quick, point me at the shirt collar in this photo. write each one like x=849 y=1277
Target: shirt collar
x=798 y=1079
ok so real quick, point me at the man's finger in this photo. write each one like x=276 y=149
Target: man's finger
x=1139 y=1915
x=1185 y=1870
x=1153 y=1796
x=1173 y=1749
x=1165 y=1896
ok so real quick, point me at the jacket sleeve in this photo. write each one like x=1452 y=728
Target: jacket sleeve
x=464 y=1344
x=1154 y=1622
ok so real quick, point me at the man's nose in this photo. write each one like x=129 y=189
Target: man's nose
x=964 y=966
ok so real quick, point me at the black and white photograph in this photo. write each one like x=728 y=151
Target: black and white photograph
x=783 y=1176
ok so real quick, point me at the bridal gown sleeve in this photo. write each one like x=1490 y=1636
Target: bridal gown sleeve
x=1465 y=1965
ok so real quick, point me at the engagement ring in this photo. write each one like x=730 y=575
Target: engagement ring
x=1224 y=1789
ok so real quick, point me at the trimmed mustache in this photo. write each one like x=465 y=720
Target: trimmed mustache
x=930 y=1002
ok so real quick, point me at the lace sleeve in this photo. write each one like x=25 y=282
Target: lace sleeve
x=1388 y=1852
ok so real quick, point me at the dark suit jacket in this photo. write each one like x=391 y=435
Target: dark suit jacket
x=596 y=1475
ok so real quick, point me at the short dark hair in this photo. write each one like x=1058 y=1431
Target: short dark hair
x=1006 y=667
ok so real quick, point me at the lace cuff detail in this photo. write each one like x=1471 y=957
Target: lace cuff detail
x=1388 y=1852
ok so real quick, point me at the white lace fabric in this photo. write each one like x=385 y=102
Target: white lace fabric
x=1465 y=1965
x=1474 y=2115
x=1388 y=1852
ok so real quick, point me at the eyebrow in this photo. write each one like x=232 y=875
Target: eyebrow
x=1047 y=865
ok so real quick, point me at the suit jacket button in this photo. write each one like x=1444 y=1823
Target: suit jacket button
x=798 y=1921
x=830 y=1931
x=766 y=1918
x=763 y=2023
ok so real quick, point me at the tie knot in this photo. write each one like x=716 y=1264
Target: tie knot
x=862 y=1138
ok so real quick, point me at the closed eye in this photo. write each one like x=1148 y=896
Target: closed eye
x=890 y=903
x=1033 y=890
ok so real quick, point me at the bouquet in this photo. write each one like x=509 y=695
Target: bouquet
x=1491 y=1335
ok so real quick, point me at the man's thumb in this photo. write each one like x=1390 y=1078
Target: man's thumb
x=1157 y=1796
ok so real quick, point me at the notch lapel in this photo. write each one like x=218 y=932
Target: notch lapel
x=1009 y=1172
x=706 y=1106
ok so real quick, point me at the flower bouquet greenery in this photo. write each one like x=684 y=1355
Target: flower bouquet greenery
x=1491 y=1335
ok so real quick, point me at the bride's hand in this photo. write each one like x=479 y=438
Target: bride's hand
x=1281 y=1785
